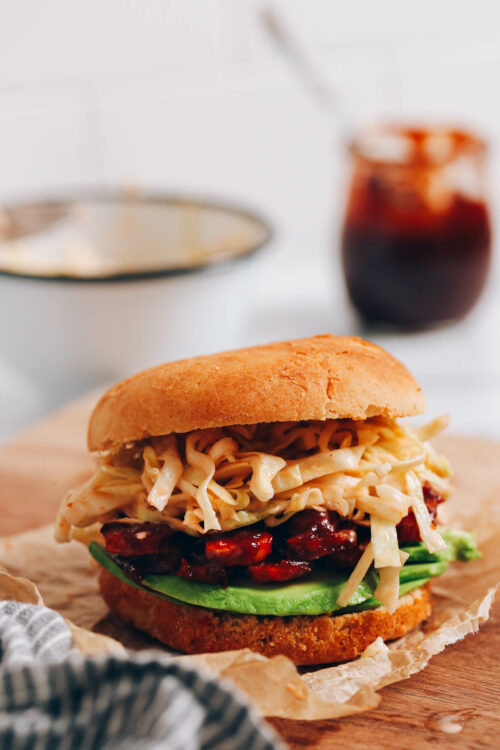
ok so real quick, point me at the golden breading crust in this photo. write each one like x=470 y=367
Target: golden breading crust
x=304 y=639
x=316 y=378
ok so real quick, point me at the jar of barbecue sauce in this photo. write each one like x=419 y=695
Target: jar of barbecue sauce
x=416 y=241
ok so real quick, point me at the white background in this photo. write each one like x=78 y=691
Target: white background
x=189 y=95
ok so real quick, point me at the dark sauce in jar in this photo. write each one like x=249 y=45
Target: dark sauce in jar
x=416 y=238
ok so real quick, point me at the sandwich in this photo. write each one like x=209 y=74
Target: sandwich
x=267 y=498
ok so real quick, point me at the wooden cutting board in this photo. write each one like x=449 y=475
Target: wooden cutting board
x=464 y=681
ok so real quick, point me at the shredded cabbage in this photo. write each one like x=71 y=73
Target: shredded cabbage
x=384 y=542
x=264 y=469
x=433 y=428
x=387 y=591
x=430 y=536
x=305 y=469
x=167 y=477
x=356 y=576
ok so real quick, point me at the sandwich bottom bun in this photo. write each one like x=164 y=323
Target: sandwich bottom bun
x=305 y=639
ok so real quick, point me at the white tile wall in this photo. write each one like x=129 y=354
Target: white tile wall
x=189 y=95
x=96 y=90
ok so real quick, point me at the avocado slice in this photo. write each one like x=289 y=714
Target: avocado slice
x=311 y=595
x=372 y=603
x=314 y=594
x=460 y=545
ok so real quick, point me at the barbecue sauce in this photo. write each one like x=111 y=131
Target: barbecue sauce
x=415 y=244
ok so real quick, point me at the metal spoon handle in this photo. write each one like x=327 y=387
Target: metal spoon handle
x=311 y=80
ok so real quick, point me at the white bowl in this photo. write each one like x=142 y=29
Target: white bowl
x=96 y=289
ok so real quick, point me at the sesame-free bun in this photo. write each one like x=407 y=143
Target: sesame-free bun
x=324 y=377
x=305 y=639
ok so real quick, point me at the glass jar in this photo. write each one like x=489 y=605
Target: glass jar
x=416 y=241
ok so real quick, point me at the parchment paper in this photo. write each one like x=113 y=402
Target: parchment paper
x=64 y=578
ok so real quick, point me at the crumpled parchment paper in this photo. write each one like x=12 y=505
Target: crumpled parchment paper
x=64 y=578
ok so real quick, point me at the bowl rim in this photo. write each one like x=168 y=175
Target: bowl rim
x=153 y=197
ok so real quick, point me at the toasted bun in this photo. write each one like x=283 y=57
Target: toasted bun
x=304 y=639
x=324 y=377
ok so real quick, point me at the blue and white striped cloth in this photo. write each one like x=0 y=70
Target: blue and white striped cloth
x=54 y=698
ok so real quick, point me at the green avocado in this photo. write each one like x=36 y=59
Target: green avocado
x=460 y=545
x=313 y=595
x=372 y=603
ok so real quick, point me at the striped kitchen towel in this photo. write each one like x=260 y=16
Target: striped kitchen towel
x=52 y=697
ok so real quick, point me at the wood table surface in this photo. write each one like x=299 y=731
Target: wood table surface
x=42 y=463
